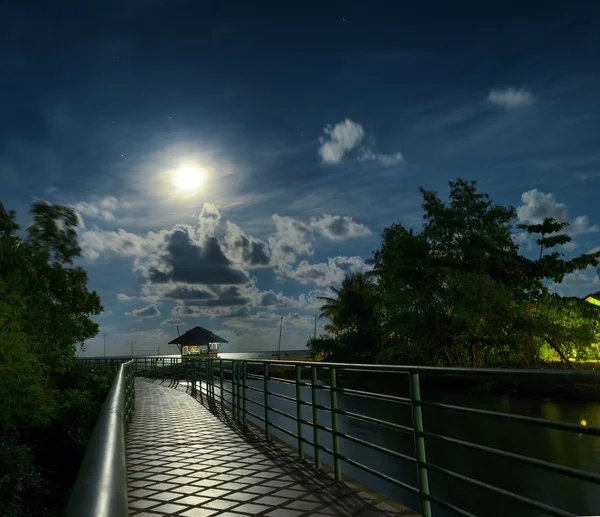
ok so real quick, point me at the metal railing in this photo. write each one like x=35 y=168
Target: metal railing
x=101 y=486
x=234 y=385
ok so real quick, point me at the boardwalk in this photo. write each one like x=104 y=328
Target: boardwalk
x=183 y=459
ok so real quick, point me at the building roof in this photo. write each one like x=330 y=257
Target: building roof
x=197 y=336
x=593 y=298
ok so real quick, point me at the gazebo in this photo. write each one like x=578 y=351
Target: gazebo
x=198 y=341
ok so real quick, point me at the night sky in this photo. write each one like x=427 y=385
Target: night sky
x=231 y=161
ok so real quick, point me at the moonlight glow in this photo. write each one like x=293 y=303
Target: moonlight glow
x=188 y=178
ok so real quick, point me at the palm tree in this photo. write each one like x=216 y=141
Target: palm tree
x=354 y=302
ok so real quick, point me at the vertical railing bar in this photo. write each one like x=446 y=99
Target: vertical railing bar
x=200 y=378
x=221 y=381
x=244 y=371
x=233 y=387
x=315 y=414
x=417 y=415
x=335 y=425
x=299 y=412
x=266 y=390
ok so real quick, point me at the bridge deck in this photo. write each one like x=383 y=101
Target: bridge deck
x=183 y=459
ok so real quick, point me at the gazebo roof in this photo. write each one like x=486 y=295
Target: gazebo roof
x=197 y=336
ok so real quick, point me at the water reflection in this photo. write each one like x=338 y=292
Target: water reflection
x=570 y=449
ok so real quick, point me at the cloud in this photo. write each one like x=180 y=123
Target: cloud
x=124 y=297
x=291 y=239
x=294 y=238
x=172 y=321
x=387 y=160
x=244 y=249
x=147 y=312
x=187 y=311
x=274 y=300
x=208 y=220
x=346 y=136
x=186 y=292
x=120 y=242
x=538 y=205
x=340 y=139
x=103 y=208
x=511 y=98
x=338 y=228
x=324 y=273
x=184 y=259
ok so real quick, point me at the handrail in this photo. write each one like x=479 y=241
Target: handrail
x=228 y=387
x=101 y=486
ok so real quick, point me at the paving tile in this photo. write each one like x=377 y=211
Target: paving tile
x=143 y=503
x=208 y=467
x=283 y=512
x=193 y=500
x=170 y=508
x=271 y=501
x=241 y=496
x=252 y=509
x=213 y=492
x=220 y=504
x=199 y=512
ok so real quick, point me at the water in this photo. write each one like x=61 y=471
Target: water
x=266 y=354
x=574 y=450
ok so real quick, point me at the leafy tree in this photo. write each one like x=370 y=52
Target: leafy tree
x=45 y=309
x=353 y=320
x=459 y=292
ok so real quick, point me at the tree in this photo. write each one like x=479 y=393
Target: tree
x=44 y=307
x=459 y=292
x=353 y=320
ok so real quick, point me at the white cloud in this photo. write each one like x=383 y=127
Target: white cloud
x=103 y=208
x=511 y=97
x=338 y=228
x=208 y=220
x=538 y=205
x=124 y=297
x=146 y=312
x=346 y=136
x=120 y=243
x=291 y=239
x=327 y=273
x=387 y=160
x=340 y=139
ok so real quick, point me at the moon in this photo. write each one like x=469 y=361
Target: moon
x=188 y=178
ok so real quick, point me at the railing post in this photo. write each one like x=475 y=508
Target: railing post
x=244 y=369
x=233 y=390
x=315 y=414
x=334 y=424
x=221 y=382
x=200 y=378
x=193 y=367
x=266 y=388
x=299 y=412
x=417 y=415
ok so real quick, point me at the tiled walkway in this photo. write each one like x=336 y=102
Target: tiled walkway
x=183 y=459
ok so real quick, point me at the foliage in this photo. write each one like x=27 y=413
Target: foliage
x=353 y=321
x=48 y=403
x=459 y=292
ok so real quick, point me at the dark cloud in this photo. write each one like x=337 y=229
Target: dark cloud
x=186 y=261
x=187 y=293
x=254 y=252
x=147 y=312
